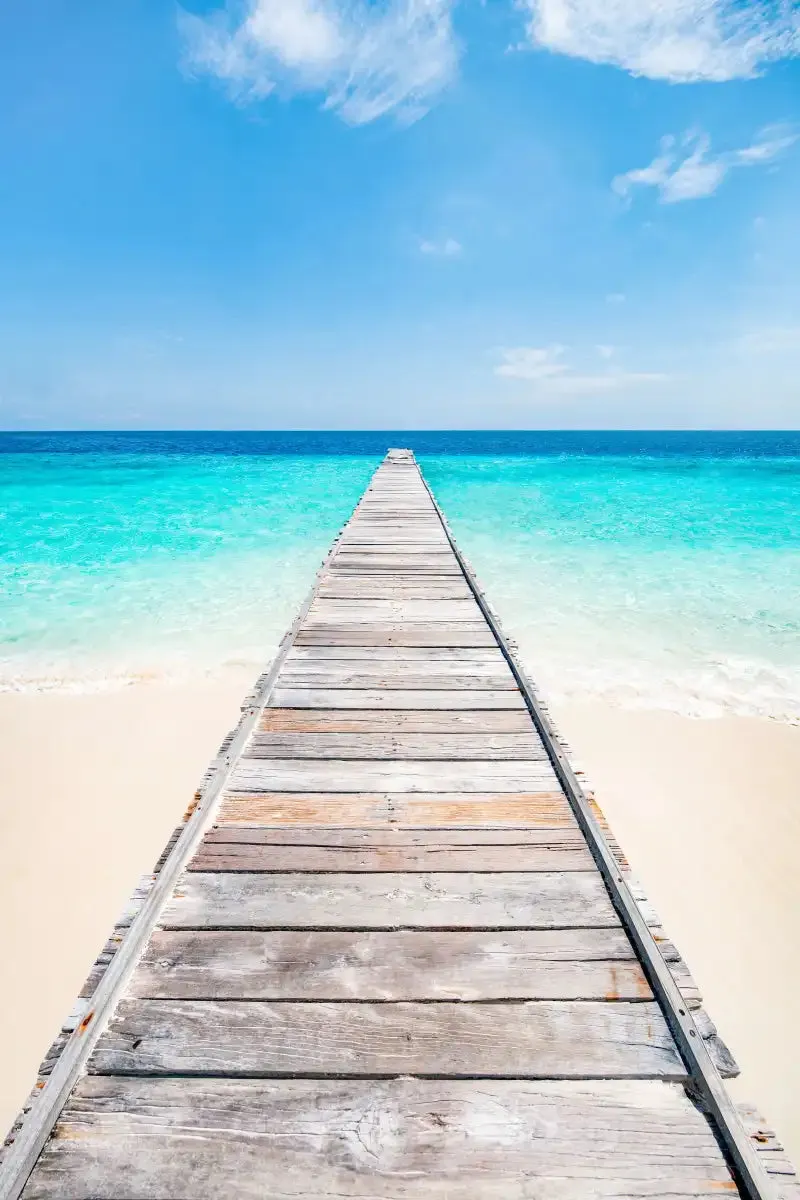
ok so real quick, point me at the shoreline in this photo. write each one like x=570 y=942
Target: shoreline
x=96 y=782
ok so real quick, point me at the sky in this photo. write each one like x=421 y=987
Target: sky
x=400 y=214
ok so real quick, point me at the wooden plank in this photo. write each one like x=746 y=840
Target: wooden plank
x=321 y=720
x=383 y=675
x=452 y=634
x=390 y=835
x=385 y=745
x=538 y=810
x=568 y=964
x=544 y=900
x=335 y=612
x=398 y=1139
x=414 y=657
x=343 y=775
x=229 y=856
x=521 y=1040
x=391 y=698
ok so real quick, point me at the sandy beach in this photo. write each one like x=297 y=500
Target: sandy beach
x=706 y=811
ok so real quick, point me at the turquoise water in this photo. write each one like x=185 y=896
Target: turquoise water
x=644 y=572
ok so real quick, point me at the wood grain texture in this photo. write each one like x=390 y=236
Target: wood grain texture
x=399 y=1139
x=388 y=676
x=385 y=746
x=524 y=900
x=414 y=657
x=568 y=838
x=342 y=775
x=564 y=964
x=479 y=700
x=520 y=1040
x=537 y=809
x=486 y=722
x=384 y=634
x=242 y=856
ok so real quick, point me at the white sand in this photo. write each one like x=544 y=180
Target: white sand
x=706 y=811
x=92 y=787
x=708 y=815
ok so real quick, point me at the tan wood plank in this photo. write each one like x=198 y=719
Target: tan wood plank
x=564 y=964
x=533 y=809
x=529 y=1040
x=486 y=722
x=537 y=900
x=399 y=745
x=398 y=1139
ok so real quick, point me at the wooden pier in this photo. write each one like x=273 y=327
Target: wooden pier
x=392 y=951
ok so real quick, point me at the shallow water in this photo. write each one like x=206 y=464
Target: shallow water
x=648 y=570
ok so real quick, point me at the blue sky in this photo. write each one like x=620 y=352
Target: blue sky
x=400 y=213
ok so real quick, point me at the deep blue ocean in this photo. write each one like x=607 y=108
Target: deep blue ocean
x=646 y=569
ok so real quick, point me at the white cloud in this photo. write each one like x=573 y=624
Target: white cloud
x=679 y=40
x=448 y=248
x=686 y=170
x=366 y=58
x=546 y=367
x=530 y=362
x=605 y=351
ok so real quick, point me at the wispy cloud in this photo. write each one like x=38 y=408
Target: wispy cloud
x=687 y=170
x=447 y=248
x=366 y=58
x=615 y=298
x=679 y=40
x=546 y=367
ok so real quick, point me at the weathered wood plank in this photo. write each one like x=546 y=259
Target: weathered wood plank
x=487 y=722
x=391 y=835
x=544 y=900
x=453 y=634
x=539 y=809
x=575 y=964
x=392 y=698
x=344 y=775
x=238 y=856
x=402 y=745
x=399 y=1139
x=386 y=675
x=334 y=612
x=415 y=657
x=521 y=1040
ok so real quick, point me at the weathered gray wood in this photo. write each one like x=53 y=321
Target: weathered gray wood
x=391 y=698
x=335 y=612
x=564 y=964
x=399 y=1139
x=487 y=722
x=238 y=856
x=382 y=675
x=342 y=775
x=525 y=900
x=413 y=657
x=385 y=745
x=532 y=809
x=521 y=1040
x=452 y=634
x=568 y=838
